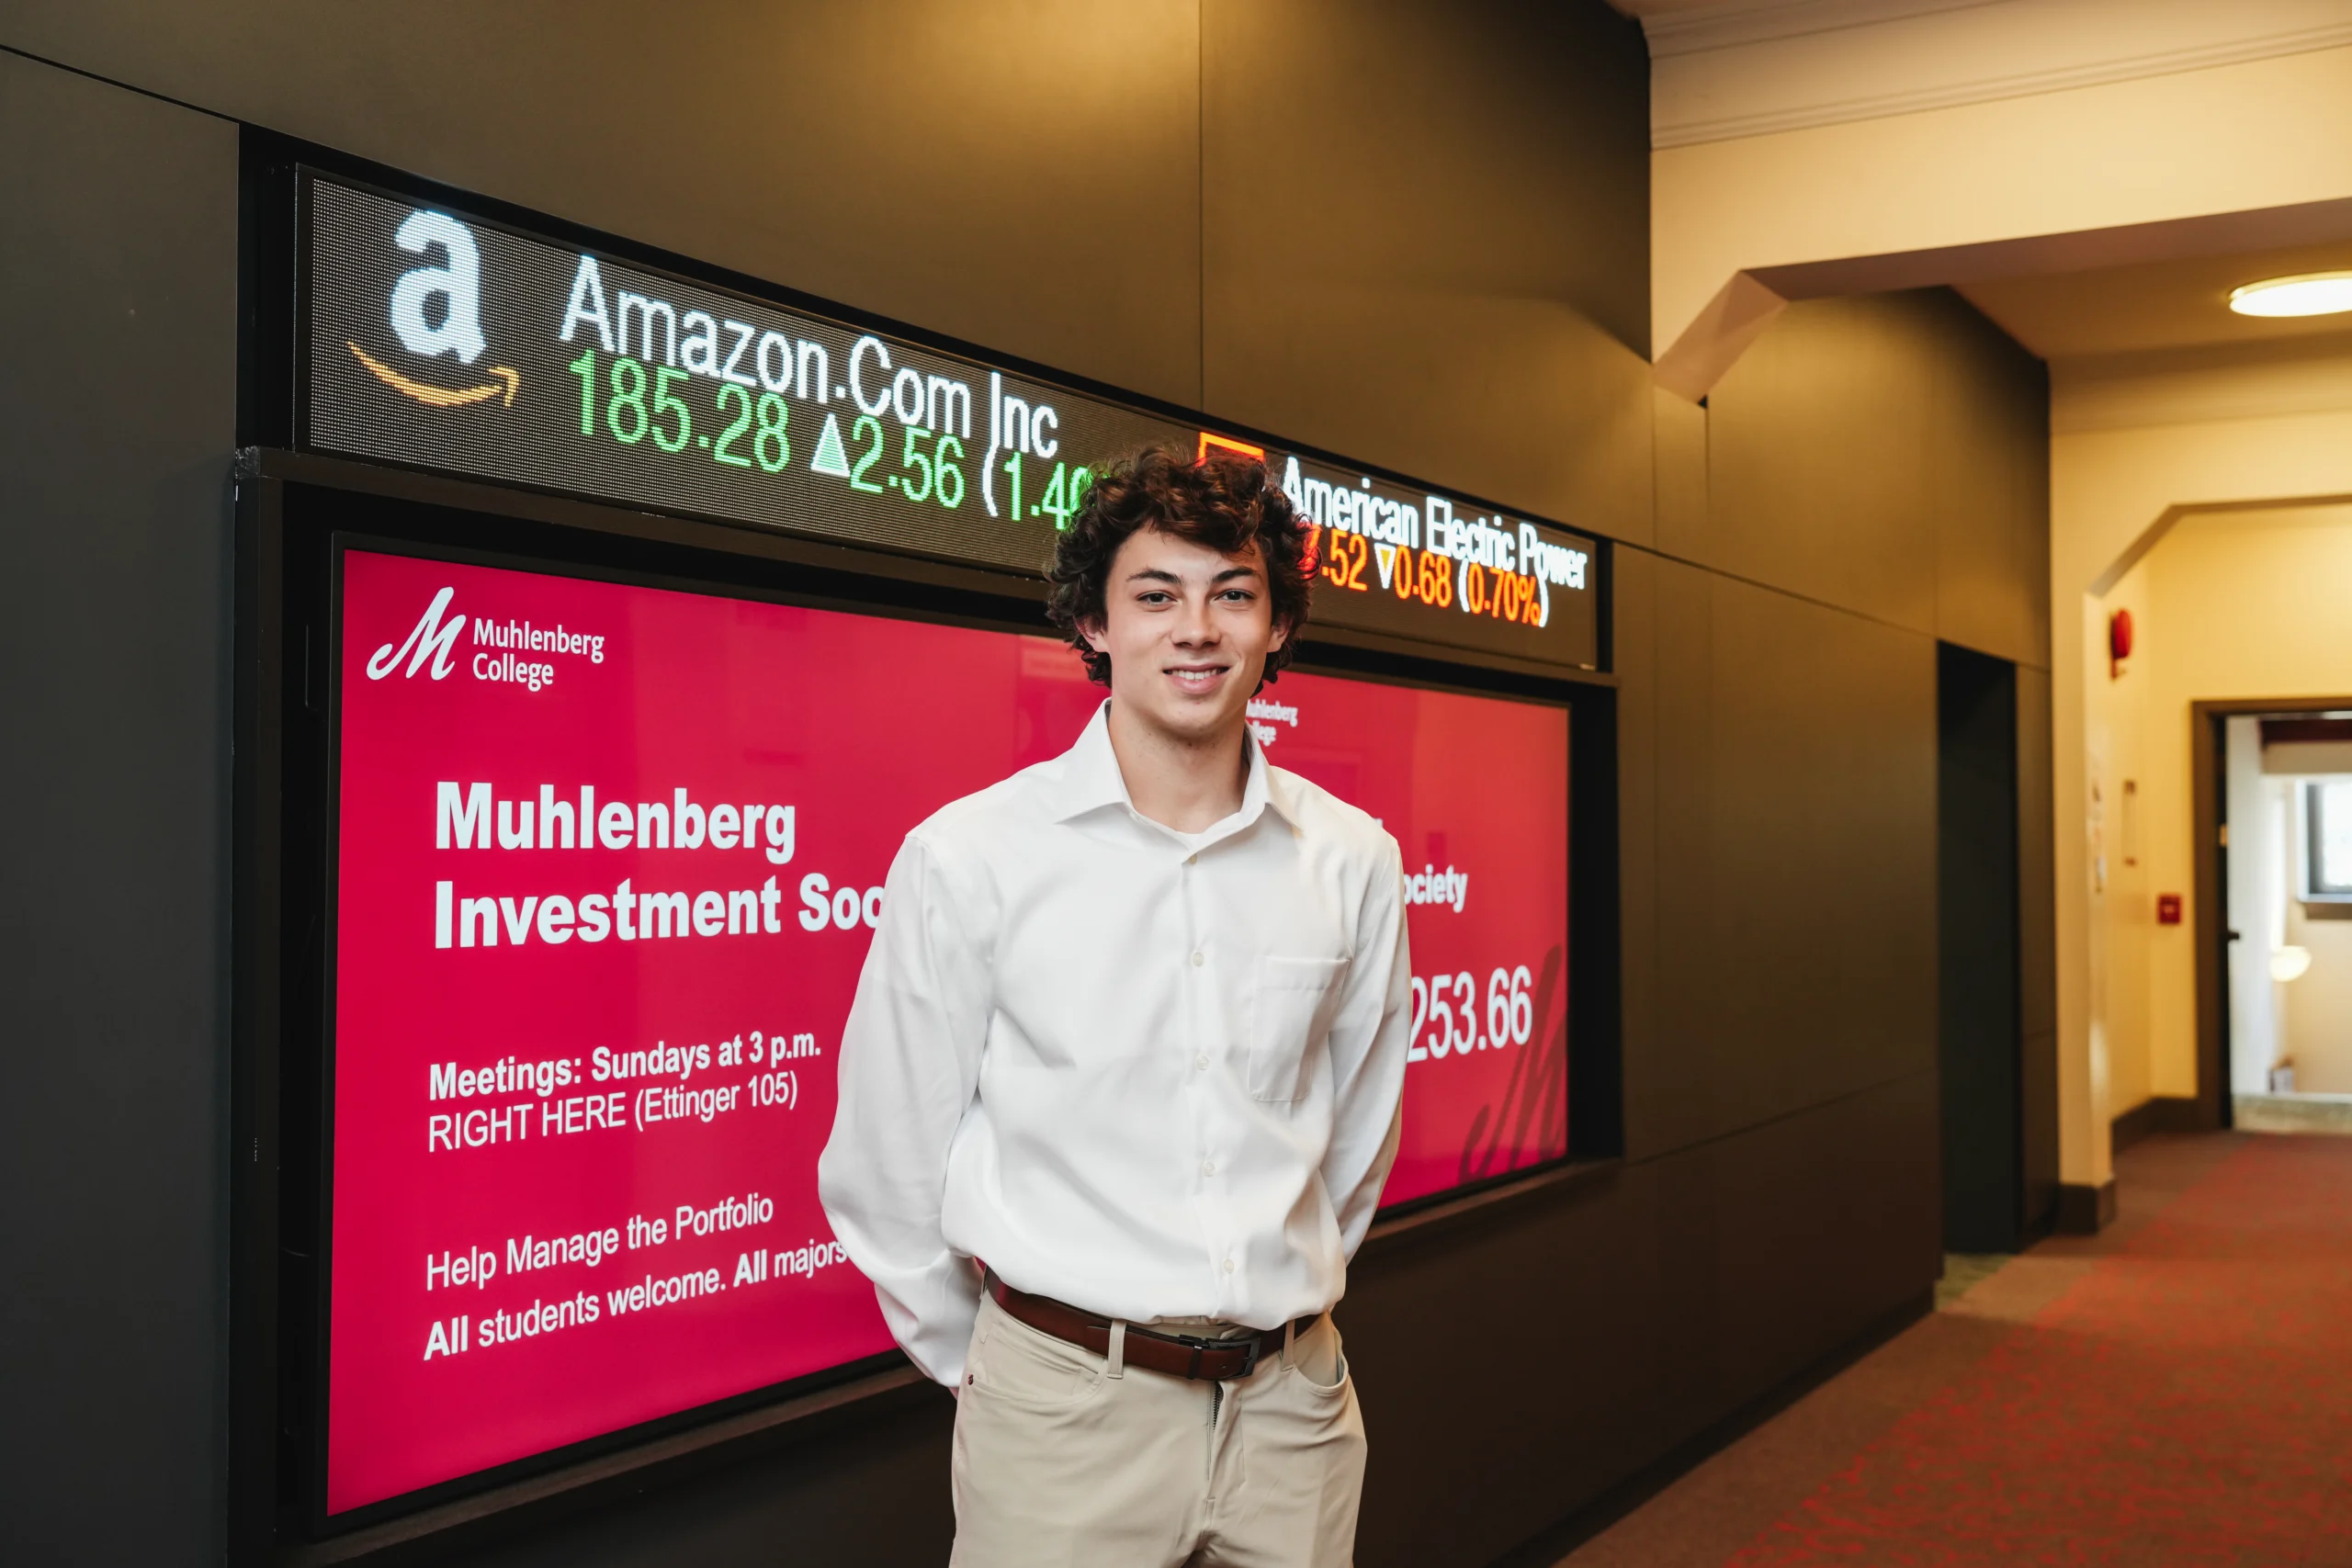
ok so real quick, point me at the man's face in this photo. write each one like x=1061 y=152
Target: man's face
x=1188 y=631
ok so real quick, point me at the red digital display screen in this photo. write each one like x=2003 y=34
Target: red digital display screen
x=608 y=861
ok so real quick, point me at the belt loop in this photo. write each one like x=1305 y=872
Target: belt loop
x=1290 y=1332
x=1118 y=1366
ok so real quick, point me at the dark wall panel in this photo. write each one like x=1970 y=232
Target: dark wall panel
x=1822 y=831
x=1475 y=1451
x=1988 y=486
x=1817 y=460
x=1639 y=741
x=1825 y=1222
x=1425 y=230
x=1887 y=453
x=1669 y=1095
x=117 y=303
x=1022 y=175
x=1795 y=855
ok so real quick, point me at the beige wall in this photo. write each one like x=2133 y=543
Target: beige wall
x=2181 y=145
x=2116 y=741
x=2226 y=605
x=2319 y=1006
x=2136 y=449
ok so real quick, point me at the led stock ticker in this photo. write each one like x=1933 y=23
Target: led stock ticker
x=632 y=402
x=1368 y=543
x=446 y=341
x=907 y=432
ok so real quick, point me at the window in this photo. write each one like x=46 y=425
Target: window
x=2327 y=839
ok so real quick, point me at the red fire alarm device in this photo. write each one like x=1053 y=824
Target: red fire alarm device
x=2167 y=909
x=2118 y=642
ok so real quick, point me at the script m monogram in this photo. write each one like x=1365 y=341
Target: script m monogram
x=429 y=638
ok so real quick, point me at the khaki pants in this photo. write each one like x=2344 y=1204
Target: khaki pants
x=1064 y=1462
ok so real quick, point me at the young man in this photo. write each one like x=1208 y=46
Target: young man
x=1132 y=1031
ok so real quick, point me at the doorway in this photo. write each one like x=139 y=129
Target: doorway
x=2275 y=938
x=1980 y=1034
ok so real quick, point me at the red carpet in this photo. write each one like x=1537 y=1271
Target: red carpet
x=2187 y=1400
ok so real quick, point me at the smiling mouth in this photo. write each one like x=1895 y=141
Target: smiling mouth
x=1196 y=677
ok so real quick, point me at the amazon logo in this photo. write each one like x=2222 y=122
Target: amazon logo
x=436 y=310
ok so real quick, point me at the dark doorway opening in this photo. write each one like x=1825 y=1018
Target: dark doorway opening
x=1979 y=1033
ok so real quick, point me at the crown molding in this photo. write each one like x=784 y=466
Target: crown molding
x=2274 y=379
x=1988 y=89
x=1698 y=28
x=1760 y=67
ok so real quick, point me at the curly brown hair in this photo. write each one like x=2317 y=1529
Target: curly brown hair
x=1225 y=501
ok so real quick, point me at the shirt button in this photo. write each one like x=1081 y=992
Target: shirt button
x=1202 y=1063
x=1228 y=1265
x=1199 y=959
x=1190 y=860
x=1208 y=1167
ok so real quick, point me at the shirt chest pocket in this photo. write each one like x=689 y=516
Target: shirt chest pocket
x=1290 y=1013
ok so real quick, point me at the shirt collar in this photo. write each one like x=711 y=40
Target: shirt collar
x=1092 y=780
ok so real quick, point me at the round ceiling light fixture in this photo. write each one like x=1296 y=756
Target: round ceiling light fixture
x=2305 y=294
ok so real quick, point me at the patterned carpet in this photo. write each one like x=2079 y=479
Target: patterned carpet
x=2177 y=1391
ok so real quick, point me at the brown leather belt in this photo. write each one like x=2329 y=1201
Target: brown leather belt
x=1177 y=1355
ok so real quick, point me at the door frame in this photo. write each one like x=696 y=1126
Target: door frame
x=2210 y=888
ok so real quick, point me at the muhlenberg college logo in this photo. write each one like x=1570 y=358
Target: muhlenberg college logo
x=432 y=640
x=457 y=286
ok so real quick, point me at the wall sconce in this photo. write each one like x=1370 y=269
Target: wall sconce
x=2289 y=964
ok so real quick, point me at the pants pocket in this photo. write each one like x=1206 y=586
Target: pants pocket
x=1020 y=1365
x=1320 y=1360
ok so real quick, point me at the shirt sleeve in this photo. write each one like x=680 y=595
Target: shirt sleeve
x=908 y=1069
x=1367 y=1048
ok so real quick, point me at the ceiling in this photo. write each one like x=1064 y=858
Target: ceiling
x=1729 y=68
x=2181 y=303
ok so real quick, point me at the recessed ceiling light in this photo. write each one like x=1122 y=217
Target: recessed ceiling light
x=2307 y=294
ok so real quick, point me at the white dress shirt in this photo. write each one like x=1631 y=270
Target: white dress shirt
x=1147 y=1073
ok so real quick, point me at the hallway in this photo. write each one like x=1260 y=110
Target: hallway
x=2172 y=1390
